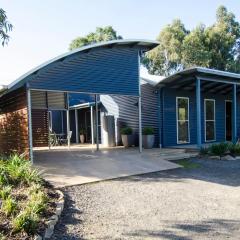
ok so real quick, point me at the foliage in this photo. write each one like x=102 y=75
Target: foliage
x=9 y=206
x=186 y=163
x=234 y=149
x=5 y=192
x=5 y=27
x=204 y=150
x=166 y=58
x=82 y=131
x=216 y=46
x=100 y=35
x=26 y=221
x=126 y=131
x=16 y=170
x=218 y=149
x=24 y=214
x=148 y=131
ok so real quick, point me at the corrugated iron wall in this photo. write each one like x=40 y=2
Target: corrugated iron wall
x=14 y=123
x=105 y=70
x=125 y=111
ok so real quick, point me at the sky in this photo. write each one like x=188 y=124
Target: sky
x=43 y=29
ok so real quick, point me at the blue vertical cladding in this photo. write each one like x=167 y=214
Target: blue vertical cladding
x=105 y=70
x=59 y=121
x=170 y=122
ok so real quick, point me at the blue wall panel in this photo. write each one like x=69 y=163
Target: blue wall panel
x=107 y=71
x=169 y=115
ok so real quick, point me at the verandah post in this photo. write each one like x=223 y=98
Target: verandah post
x=96 y=108
x=234 y=111
x=30 y=138
x=198 y=111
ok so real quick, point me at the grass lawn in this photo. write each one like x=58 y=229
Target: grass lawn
x=26 y=200
x=188 y=164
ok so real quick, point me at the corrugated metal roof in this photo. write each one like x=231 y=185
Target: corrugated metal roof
x=200 y=70
x=144 y=44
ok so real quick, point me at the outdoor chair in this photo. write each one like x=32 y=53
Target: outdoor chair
x=65 y=140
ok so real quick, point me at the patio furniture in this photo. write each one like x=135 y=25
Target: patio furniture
x=65 y=140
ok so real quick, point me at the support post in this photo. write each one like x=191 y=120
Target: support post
x=68 y=123
x=76 y=126
x=234 y=112
x=30 y=125
x=198 y=108
x=140 y=122
x=92 y=126
x=96 y=112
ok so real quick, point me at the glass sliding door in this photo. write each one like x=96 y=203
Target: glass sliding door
x=209 y=110
x=182 y=104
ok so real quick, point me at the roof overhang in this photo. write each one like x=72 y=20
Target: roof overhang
x=203 y=73
x=141 y=44
x=213 y=81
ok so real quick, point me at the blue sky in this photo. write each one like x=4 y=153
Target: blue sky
x=43 y=29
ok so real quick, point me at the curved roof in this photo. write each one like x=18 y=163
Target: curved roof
x=145 y=45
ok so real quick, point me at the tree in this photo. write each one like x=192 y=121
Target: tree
x=216 y=46
x=101 y=34
x=5 y=27
x=166 y=58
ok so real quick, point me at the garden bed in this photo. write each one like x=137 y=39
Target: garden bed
x=26 y=200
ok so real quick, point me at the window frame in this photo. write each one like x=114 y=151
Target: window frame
x=205 y=120
x=177 y=121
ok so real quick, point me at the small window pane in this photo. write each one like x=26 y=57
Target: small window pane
x=210 y=130
x=209 y=110
x=183 y=131
x=182 y=109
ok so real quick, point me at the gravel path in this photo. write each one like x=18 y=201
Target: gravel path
x=202 y=203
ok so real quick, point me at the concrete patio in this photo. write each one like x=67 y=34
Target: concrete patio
x=64 y=167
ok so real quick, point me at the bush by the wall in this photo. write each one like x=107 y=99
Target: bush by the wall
x=219 y=149
x=148 y=131
x=126 y=131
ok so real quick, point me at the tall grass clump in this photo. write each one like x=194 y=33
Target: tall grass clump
x=219 y=149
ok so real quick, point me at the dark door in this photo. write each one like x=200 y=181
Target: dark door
x=228 y=120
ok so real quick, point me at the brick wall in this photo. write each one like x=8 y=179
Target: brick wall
x=14 y=123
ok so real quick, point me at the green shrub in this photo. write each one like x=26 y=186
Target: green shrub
x=5 y=192
x=219 y=149
x=9 y=206
x=148 y=131
x=26 y=221
x=38 y=202
x=4 y=176
x=17 y=170
x=204 y=150
x=126 y=131
x=234 y=149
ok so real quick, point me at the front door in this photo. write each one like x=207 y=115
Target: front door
x=228 y=121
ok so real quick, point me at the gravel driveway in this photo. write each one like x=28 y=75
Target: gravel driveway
x=200 y=203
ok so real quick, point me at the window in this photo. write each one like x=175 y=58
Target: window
x=182 y=120
x=209 y=109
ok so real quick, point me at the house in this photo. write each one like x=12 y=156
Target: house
x=169 y=105
x=98 y=88
x=107 y=68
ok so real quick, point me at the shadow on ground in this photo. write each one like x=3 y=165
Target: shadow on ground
x=183 y=231
x=215 y=171
x=70 y=217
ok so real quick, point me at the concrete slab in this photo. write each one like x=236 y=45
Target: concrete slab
x=72 y=167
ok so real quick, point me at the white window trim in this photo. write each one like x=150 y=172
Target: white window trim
x=226 y=118
x=205 y=125
x=180 y=142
